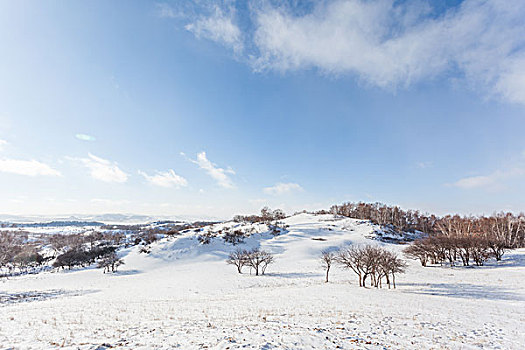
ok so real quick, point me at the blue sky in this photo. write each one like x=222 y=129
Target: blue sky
x=215 y=108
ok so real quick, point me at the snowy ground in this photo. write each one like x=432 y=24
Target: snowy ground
x=184 y=295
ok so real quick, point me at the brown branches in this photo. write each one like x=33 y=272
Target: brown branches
x=371 y=261
x=256 y=259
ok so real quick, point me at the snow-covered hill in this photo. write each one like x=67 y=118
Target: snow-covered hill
x=183 y=295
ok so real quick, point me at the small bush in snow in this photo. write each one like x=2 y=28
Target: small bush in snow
x=278 y=228
x=233 y=237
x=205 y=238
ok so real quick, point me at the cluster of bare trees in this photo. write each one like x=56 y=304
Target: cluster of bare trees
x=16 y=252
x=366 y=261
x=255 y=259
x=502 y=229
x=21 y=254
x=82 y=256
x=440 y=249
x=83 y=250
x=469 y=238
x=383 y=214
x=267 y=216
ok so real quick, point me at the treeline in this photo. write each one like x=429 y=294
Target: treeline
x=267 y=216
x=20 y=253
x=449 y=239
x=505 y=228
x=467 y=239
x=382 y=214
x=16 y=252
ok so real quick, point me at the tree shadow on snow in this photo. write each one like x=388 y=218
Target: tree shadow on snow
x=7 y=298
x=125 y=273
x=294 y=274
x=464 y=291
x=510 y=259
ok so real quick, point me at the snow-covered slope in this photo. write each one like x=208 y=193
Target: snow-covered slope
x=183 y=295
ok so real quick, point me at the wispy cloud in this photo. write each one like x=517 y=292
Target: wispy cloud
x=210 y=20
x=165 y=179
x=164 y=10
x=283 y=188
x=220 y=175
x=27 y=167
x=102 y=169
x=424 y=165
x=493 y=181
x=85 y=137
x=2 y=144
x=219 y=27
x=383 y=43
x=109 y=202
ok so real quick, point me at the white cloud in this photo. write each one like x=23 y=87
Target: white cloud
x=492 y=181
x=424 y=165
x=220 y=175
x=166 y=11
x=109 y=202
x=165 y=179
x=283 y=188
x=85 y=137
x=384 y=43
x=27 y=167
x=103 y=170
x=219 y=27
x=2 y=143
x=476 y=181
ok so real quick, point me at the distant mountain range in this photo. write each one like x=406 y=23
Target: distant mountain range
x=81 y=219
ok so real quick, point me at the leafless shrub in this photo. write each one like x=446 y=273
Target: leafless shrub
x=233 y=237
x=205 y=238
x=110 y=262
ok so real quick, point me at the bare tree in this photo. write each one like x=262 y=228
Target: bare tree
x=238 y=258
x=352 y=258
x=327 y=260
x=373 y=261
x=259 y=260
x=110 y=262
